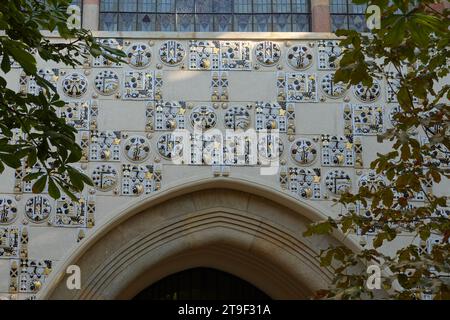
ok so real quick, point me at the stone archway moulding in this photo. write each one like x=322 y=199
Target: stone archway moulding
x=236 y=226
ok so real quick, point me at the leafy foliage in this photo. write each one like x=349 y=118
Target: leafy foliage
x=47 y=140
x=413 y=41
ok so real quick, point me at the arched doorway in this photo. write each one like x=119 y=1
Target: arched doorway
x=201 y=284
x=242 y=228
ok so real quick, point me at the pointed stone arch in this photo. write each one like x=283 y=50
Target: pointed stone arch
x=242 y=228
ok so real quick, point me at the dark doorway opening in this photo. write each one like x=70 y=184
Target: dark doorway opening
x=201 y=284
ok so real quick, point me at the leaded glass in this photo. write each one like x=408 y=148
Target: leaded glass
x=242 y=6
x=300 y=6
x=166 y=6
x=339 y=22
x=204 y=23
x=146 y=22
x=185 y=22
x=203 y=6
x=221 y=6
x=282 y=6
x=207 y=15
x=185 y=6
x=109 y=5
x=243 y=23
x=281 y=22
x=127 y=21
x=108 y=21
x=146 y=5
x=262 y=22
x=300 y=23
x=223 y=23
x=128 y=5
x=262 y=6
x=357 y=22
x=346 y=15
x=166 y=22
x=338 y=6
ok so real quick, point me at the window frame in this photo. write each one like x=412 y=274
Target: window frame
x=347 y=14
x=215 y=15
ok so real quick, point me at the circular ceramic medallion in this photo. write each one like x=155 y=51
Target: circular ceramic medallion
x=367 y=94
x=8 y=210
x=37 y=209
x=137 y=148
x=303 y=151
x=267 y=53
x=75 y=85
x=203 y=117
x=299 y=57
x=172 y=52
x=139 y=55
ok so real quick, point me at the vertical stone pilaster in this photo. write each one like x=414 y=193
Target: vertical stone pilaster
x=320 y=12
x=91 y=14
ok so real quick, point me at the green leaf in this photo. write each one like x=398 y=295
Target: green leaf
x=75 y=155
x=388 y=197
x=11 y=160
x=86 y=179
x=39 y=185
x=6 y=63
x=53 y=190
x=32 y=176
x=24 y=58
x=75 y=178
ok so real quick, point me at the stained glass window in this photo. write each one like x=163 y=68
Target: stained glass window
x=346 y=15
x=205 y=15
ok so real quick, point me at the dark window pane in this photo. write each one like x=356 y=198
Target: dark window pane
x=166 y=6
x=146 y=22
x=356 y=8
x=128 y=5
x=222 y=6
x=338 y=22
x=212 y=15
x=262 y=6
x=223 y=23
x=109 y=5
x=185 y=22
x=204 y=23
x=203 y=6
x=282 y=23
x=282 y=6
x=108 y=21
x=242 y=6
x=262 y=23
x=338 y=6
x=300 y=6
x=146 y=5
x=346 y=15
x=300 y=23
x=165 y=22
x=185 y=6
x=127 y=21
x=243 y=23
x=357 y=22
